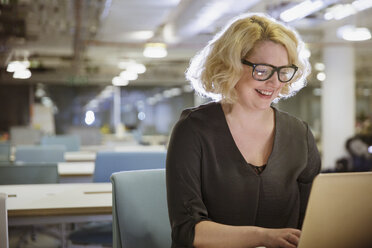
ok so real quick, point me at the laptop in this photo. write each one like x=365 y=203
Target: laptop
x=339 y=212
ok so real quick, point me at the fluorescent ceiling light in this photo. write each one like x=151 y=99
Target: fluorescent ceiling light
x=155 y=50
x=132 y=66
x=118 y=81
x=139 y=35
x=128 y=75
x=301 y=10
x=352 y=33
x=340 y=11
x=16 y=65
x=321 y=76
x=22 y=74
x=319 y=66
x=362 y=4
x=137 y=68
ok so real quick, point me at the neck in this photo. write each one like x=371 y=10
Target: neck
x=246 y=115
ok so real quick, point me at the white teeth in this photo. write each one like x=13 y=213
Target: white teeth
x=266 y=93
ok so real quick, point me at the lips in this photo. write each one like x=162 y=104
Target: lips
x=265 y=92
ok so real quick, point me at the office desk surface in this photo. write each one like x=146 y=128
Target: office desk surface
x=58 y=199
x=80 y=156
x=68 y=169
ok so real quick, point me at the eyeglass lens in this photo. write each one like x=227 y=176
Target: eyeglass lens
x=264 y=72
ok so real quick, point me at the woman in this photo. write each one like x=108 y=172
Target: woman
x=239 y=171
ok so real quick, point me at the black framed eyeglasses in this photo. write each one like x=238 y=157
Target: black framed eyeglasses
x=262 y=72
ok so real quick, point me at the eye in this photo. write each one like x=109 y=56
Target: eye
x=262 y=70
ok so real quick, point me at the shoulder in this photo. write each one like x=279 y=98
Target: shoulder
x=199 y=118
x=290 y=121
x=203 y=111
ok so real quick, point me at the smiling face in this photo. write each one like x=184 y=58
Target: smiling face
x=258 y=95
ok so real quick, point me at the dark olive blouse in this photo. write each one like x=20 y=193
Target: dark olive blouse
x=209 y=179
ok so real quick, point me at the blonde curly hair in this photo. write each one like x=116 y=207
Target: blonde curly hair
x=215 y=70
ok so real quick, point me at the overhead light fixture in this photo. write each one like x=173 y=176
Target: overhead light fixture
x=301 y=10
x=341 y=11
x=132 y=66
x=137 y=68
x=118 y=81
x=321 y=76
x=128 y=75
x=319 y=66
x=352 y=33
x=362 y=4
x=155 y=50
x=22 y=74
x=142 y=35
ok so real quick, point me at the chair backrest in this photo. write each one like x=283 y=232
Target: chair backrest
x=40 y=154
x=4 y=240
x=89 y=136
x=71 y=142
x=28 y=174
x=24 y=135
x=140 y=212
x=4 y=151
x=110 y=162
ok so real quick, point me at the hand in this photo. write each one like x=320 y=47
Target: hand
x=281 y=238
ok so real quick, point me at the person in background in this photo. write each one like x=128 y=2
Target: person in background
x=239 y=171
x=360 y=158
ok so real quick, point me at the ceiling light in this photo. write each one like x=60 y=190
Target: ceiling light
x=140 y=35
x=16 y=66
x=22 y=74
x=89 y=117
x=340 y=11
x=155 y=50
x=319 y=66
x=352 y=33
x=137 y=68
x=362 y=4
x=321 y=76
x=118 y=81
x=301 y=10
x=128 y=75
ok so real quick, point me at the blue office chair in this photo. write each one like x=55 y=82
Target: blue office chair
x=110 y=162
x=28 y=174
x=140 y=212
x=4 y=151
x=106 y=164
x=39 y=154
x=71 y=142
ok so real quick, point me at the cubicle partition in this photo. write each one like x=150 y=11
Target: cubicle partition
x=39 y=154
x=71 y=142
x=28 y=174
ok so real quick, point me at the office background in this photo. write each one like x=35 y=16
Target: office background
x=77 y=58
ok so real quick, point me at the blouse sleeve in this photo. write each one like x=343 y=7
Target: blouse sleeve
x=183 y=168
x=308 y=174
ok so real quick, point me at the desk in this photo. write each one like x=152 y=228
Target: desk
x=80 y=156
x=58 y=203
x=75 y=172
